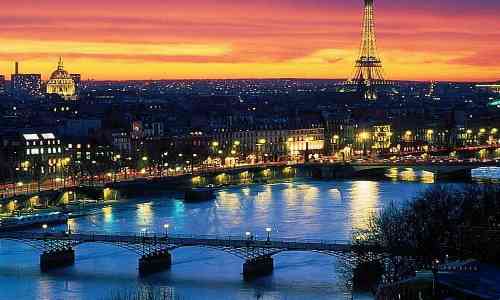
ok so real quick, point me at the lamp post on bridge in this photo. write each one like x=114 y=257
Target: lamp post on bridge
x=268 y=231
x=166 y=226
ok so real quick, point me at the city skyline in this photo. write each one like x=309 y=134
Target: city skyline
x=436 y=40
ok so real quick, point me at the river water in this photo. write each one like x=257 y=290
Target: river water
x=298 y=209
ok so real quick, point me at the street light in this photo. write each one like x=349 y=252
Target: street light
x=248 y=235
x=364 y=136
x=166 y=226
x=44 y=226
x=435 y=269
x=268 y=230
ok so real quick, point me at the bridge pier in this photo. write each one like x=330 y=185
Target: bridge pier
x=155 y=262
x=57 y=259
x=258 y=266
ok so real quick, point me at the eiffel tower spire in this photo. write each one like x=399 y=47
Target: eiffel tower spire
x=368 y=67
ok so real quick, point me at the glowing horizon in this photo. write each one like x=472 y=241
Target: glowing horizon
x=442 y=40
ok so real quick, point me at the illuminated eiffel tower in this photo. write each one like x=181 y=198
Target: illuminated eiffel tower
x=368 y=72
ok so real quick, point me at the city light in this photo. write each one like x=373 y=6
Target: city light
x=364 y=135
x=187 y=123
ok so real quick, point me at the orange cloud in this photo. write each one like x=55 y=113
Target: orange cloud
x=233 y=39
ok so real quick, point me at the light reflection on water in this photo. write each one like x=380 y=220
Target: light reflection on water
x=364 y=200
x=302 y=209
x=410 y=174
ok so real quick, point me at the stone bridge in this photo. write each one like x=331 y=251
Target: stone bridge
x=441 y=171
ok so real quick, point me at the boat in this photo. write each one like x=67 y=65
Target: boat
x=27 y=221
x=199 y=194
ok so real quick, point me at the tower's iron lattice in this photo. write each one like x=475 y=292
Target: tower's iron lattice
x=368 y=73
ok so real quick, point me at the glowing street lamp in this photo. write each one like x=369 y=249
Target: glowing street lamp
x=166 y=226
x=268 y=231
x=248 y=234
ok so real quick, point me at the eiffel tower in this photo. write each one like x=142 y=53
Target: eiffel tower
x=368 y=72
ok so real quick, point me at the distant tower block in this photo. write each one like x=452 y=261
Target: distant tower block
x=368 y=68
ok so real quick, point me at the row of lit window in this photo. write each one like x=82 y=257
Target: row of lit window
x=49 y=142
x=78 y=146
x=36 y=151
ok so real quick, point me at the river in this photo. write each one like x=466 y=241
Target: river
x=297 y=209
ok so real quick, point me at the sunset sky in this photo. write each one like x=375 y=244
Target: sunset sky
x=163 y=39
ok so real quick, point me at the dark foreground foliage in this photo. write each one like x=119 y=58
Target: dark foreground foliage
x=442 y=221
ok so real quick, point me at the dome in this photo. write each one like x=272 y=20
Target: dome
x=61 y=83
x=60 y=73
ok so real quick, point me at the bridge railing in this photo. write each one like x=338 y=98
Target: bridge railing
x=151 y=235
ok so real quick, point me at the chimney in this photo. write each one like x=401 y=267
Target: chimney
x=17 y=68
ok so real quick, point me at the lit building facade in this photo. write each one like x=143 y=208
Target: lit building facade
x=34 y=155
x=382 y=135
x=62 y=83
x=269 y=144
x=26 y=85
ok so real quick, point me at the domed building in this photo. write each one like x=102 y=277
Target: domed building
x=62 y=83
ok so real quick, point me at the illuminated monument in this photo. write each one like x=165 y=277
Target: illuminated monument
x=62 y=83
x=368 y=73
